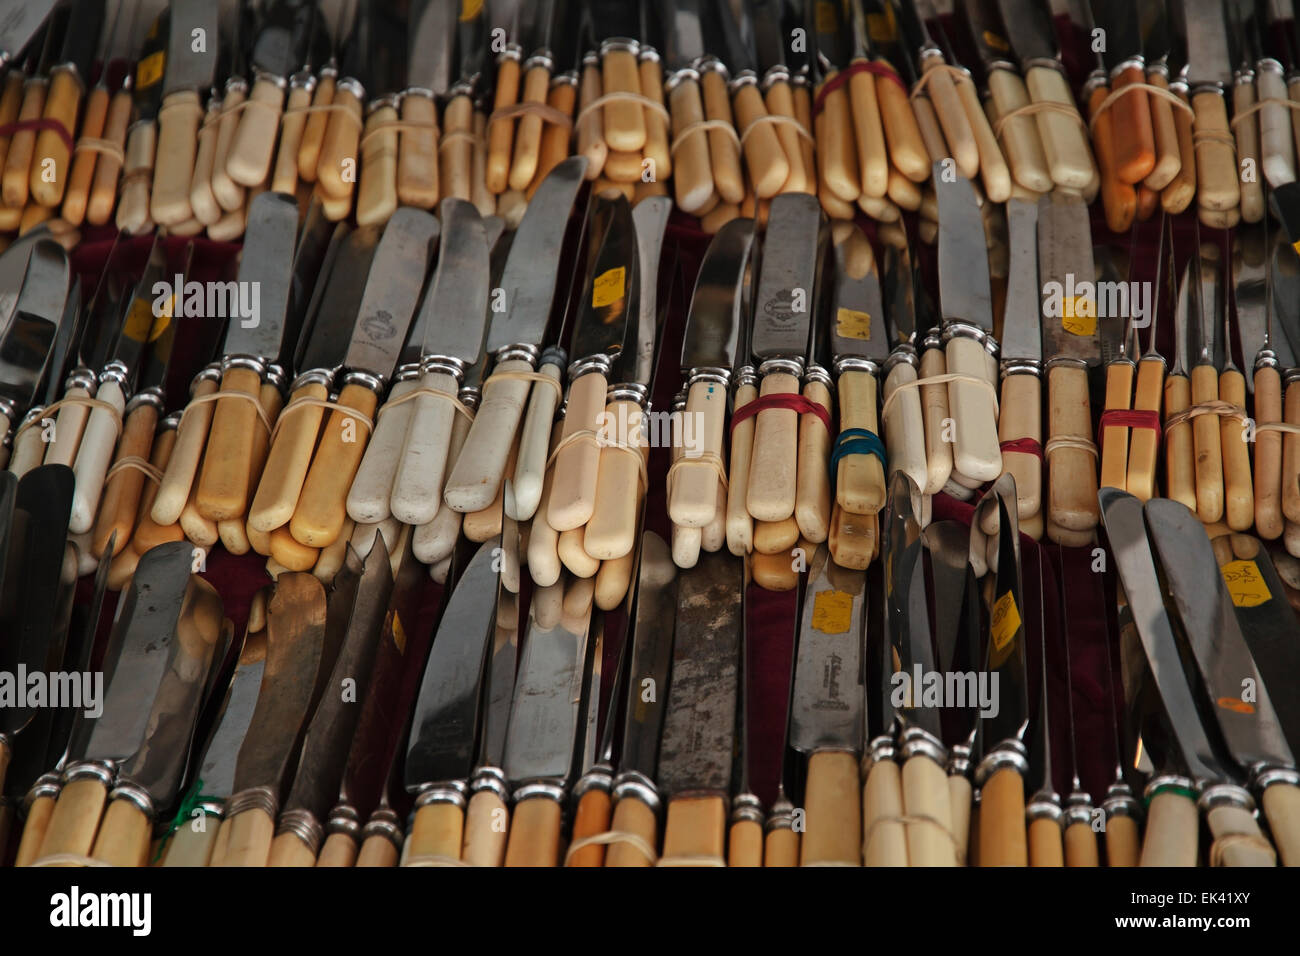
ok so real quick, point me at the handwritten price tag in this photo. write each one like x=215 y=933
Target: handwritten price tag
x=1079 y=316
x=1005 y=622
x=852 y=324
x=607 y=288
x=1245 y=584
x=832 y=612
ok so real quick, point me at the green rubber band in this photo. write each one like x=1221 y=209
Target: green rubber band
x=194 y=800
x=1169 y=788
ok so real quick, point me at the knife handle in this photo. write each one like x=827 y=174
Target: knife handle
x=1024 y=151
x=369 y=498
x=692 y=500
x=1135 y=154
x=146 y=533
x=291 y=555
x=625 y=127
x=745 y=843
x=103 y=188
x=377 y=851
x=591 y=127
x=692 y=172
x=611 y=531
x=959 y=138
x=253 y=143
x=1178 y=195
x=137 y=170
x=34 y=829
x=1046 y=846
x=1268 y=454
x=1072 y=472
x=1281 y=803
x=1249 y=144
x=229 y=194
x=476 y=476
x=223 y=488
x=318 y=519
x=1123 y=848
x=1180 y=468
x=904 y=424
x=837 y=155
x=872 y=154
x=1217 y=179
x=1164 y=129
x=434 y=541
x=907 y=150
x=1239 y=497
x=781 y=847
x=724 y=156
x=339 y=851
x=417 y=163
x=1172 y=831
x=883 y=831
x=960 y=805
x=81 y=171
x=528 y=136
x=993 y=165
x=740 y=526
x=765 y=157
x=1208 y=447
x=1115 y=438
x=938 y=424
x=1065 y=143
x=11 y=99
x=1022 y=419
x=75 y=819
x=573 y=496
x=293 y=124
x=198 y=528
x=1291 y=457
x=1081 y=846
x=377 y=191
x=422 y=459
x=94 y=454
x=122 y=493
x=833 y=813
x=69 y=424
x=632 y=816
x=812 y=508
x=543 y=541
x=289 y=850
x=486 y=826
x=535 y=833
x=190 y=847
x=1003 y=840
x=313 y=132
x=18 y=161
x=338 y=148
x=183 y=465
x=1245 y=846
x=976 y=452
x=535 y=443
x=485 y=523
x=771 y=493
x=123 y=838
x=590 y=819
x=930 y=838
x=860 y=478
x=1144 y=443
x=501 y=132
x=1277 y=150
x=1119 y=199
x=286 y=466
x=695 y=832
x=203 y=204
x=554 y=148
x=778 y=100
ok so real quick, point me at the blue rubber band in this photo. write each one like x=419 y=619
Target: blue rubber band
x=856 y=441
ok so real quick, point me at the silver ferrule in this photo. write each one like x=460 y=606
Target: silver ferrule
x=711 y=64
x=1009 y=753
x=421 y=91
x=1289 y=376
x=209 y=373
x=1078 y=809
x=444 y=364
x=816 y=373
x=452 y=791
x=491 y=778
x=470 y=396
x=250 y=362
x=599 y=777
x=345 y=819
x=115 y=372
x=933 y=339
x=1266 y=358
x=46 y=785
x=513 y=51
x=391 y=100
x=902 y=355
x=304 y=825
x=1226 y=795
x=150 y=396
x=136 y=794
x=1166 y=781
x=1021 y=367
x=1120 y=802
x=567 y=78
x=719 y=376
x=254 y=798
x=1269 y=65
x=747 y=807
x=90 y=770
x=630 y=783
x=882 y=749
x=959 y=760
x=620 y=45
x=856 y=363
x=33 y=414
x=1160 y=67
x=315 y=376
x=518 y=352
x=744 y=375
x=789 y=366
x=647 y=54
x=927 y=53
x=776 y=74
x=541 y=58
x=603 y=364
x=1065 y=361
x=266 y=76
x=628 y=392
x=1243 y=76
x=384 y=823
x=1043 y=805
x=277 y=376
x=171 y=422
x=742 y=79
x=549 y=789
x=918 y=742
x=1265 y=777
x=236 y=84
x=966 y=330
x=1136 y=60
x=781 y=817
x=681 y=76
x=360 y=376
x=303 y=80
x=350 y=84
x=1205 y=86
x=81 y=377
x=1046 y=62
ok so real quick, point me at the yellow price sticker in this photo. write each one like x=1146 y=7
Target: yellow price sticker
x=1245 y=583
x=1005 y=622
x=852 y=324
x=469 y=9
x=399 y=633
x=832 y=612
x=827 y=21
x=1079 y=316
x=150 y=70
x=995 y=42
x=140 y=321
x=608 y=287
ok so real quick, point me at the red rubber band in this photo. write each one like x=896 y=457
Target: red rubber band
x=794 y=403
x=8 y=129
x=1127 y=418
x=1024 y=446
x=854 y=68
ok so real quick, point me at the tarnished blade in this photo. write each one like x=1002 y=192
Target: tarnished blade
x=1126 y=529
x=433 y=28
x=1029 y=28
x=650 y=216
x=8 y=492
x=146 y=93
x=267 y=264
x=611 y=292
x=787 y=277
x=963 y=258
x=325 y=750
x=829 y=695
x=274 y=49
x=503 y=654
x=1285 y=327
x=1205 y=332
x=318 y=247
x=324 y=344
x=900 y=300
x=1065 y=257
x=1119 y=18
x=217 y=769
x=857 y=320
x=683 y=33
x=769 y=40
x=392 y=291
x=293 y=668
x=19 y=21
x=1248 y=720
x=530 y=273
x=737 y=35
x=26 y=346
x=700 y=726
x=537 y=27
x=189 y=68
x=717 y=312
x=544 y=717
x=13 y=267
x=1207 y=42
x=80 y=44
x=444 y=730
x=135 y=334
x=652 y=651
x=1006 y=641
x=949 y=545
x=987 y=33
x=454 y=312
x=1022 y=337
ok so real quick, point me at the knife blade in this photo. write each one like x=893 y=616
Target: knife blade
x=1209 y=73
x=336 y=166
x=26 y=346
x=432 y=29
x=145 y=90
x=514 y=336
x=693 y=183
x=19 y=22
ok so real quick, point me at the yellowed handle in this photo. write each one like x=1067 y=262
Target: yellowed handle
x=556 y=136
x=781 y=847
x=417 y=164
x=633 y=817
x=535 y=833
x=1180 y=468
x=1218 y=185
x=1171 y=832
x=1020 y=139
x=249 y=160
x=501 y=132
x=290 y=457
x=952 y=118
x=34 y=829
x=1248 y=149
x=765 y=157
x=223 y=488
x=837 y=152
x=590 y=819
x=831 y=805
x=313 y=134
x=1269 y=522
x=625 y=127
x=907 y=149
x=573 y=497
x=1021 y=418
x=377 y=851
x=771 y=492
x=1178 y=195
x=1072 y=472
x=1165 y=132
x=78 y=168
x=695 y=832
x=1003 y=840
x=934 y=409
x=1064 y=139
x=1114 y=438
x=1237 y=839
x=75 y=820
x=1122 y=845
x=1206 y=440
x=1238 y=495
x=191 y=847
x=611 y=531
x=884 y=834
x=123 y=838
x=121 y=500
x=1046 y=848
x=486 y=827
x=926 y=802
x=336 y=169
x=1291 y=458
x=284 y=176
x=436 y=832
x=1144 y=443
x=727 y=177
x=692 y=173
x=11 y=101
x=528 y=135
x=860 y=479
x=377 y=193
x=745 y=844
x=318 y=519
x=14 y=187
x=1281 y=802
x=1081 y=846
x=230 y=195
x=993 y=165
x=288 y=850
x=247 y=839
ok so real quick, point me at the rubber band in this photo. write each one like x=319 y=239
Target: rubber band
x=422 y=391
x=788 y=401
x=693 y=860
x=84 y=400
x=1030 y=109
x=905 y=820
x=1206 y=137
x=704 y=458
x=527 y=376
x=1174 y=789
x=456 y=135
x=1058 y=442
x=1150 y=88
x=194 y=799
x=701 y=126
x=1259 y=105
x=433 y=860
x=1220 y=408
x=778 y=119
x=856 y=441
x=1286 y=428
x=1022 y=446
x=68 y=859
x=106 y=147
x=587 y=435
x=1222 y=844
x=1127 y=418
x=218 y=396
x=924 y=80
x=618 y=96
x=143 y=174
x=547 y=112
x=398 y=125
x=944 y=379
x=850 y=71
x=40 y=125
x=637 y=842
x=135 y=463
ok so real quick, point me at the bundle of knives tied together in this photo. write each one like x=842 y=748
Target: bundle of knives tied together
x=610 y=434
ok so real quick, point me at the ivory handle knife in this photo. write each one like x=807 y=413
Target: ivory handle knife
x=692 y=171
x=1180 y=467
x=778 y=100
x=370 y=495
x=1206 y=441
x=904 y=425
x=75 y=818
x=18 y=161
x=11 y=100
x=781 y=847
x=174 y=490
x=229 y=194
x=591 y=127
x=137 y=170
x=436 y=832
x=836 y=148
x=1072 y=472
x=223 y=489
x=203 y=204
x=434 y=541
x=82 y=169
x=765 y=157
x=1081 y=845
x=860 y=478
x=993 y=165
x=377 y=189
x=338 y=148
x=1269 y=522
x=1144 y=443
x=728 y=179
x=501 y=132
x=1172 y=831
x=812 y=507
x=1242 y=842
x=1164 y=128
x=1177 y=196
x=884 y=834
x=1115 y=438
x=1276 y=146
x=1217 y=182
x=1281 y=802
x=960 y=803
x=422 y=459
x=1024 y=150
x=833 y=812
x=477 y=473
x=318 y=519
x=907 y=150
x=1247 y=132
x=610 y=533
x=695 y=832
x=1122 y=845
x=253 y=143
x=1003 y=840
x=535 y=833
x=528 y=135
x=122 y=492
x=535 y=440
x=976 y=452
x=1064 y=143
x=313 y=133
x=1238 y=495
x=554 y=148
x=740 y=526
x=1021 y=419
x=1291 y=458
x=94 y=454
x=1046 y=846
x=926 y=803
x=485 y=836
x=772 y=480
x=288 y=462
x=293 y=126
x=625 y=127
x=935 y=410
x=573 y=496
x=631 y=815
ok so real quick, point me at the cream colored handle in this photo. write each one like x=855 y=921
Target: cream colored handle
x=1046 y=846
x=422 y=460
x=289 y=850
x=183 y=465
x=1072 y=472
x=377 y=192
x=75 y=820
x=1244 y=844
x=417 y=163
x=1064 y=139
x=1248 y=149
x=832 y=811
x=1269 y=523
x=94 y=454
x=836 y=146
x=1218 y=185
x=535 y=833
x=434 y=541
x=1238 y=495
x=812 y=503
x=624 y=120
x=284 y=175
x=103 y=191
x=247 y=837
x=771 y=492
x=34 y=829
x=938 y=423
x=1178 y=195
x=634 y=817
x=337 y=166
x=591 y=128
x=873 y=157
x=1206 y=439
x=976 y=451
x=959 y=804
x=370 y=497
x=993 y=165
x=954 y=122
x=455 y=155
x=1180 y=469
x=904 y=425
x=778 y=100
x=377 y=851
x=191 y=847
x=1003 y=840
x=860 y=478
x=926 y=804
x=82 y=170
x=693 y=497
x=1281 y=802
x=223 y=488
x=692 y=173
x=1021 y=418
x=287 y=464
x=1276 y=143
x=781 y=847
x=137 y=170
x=883 y=831
x=534 y=444
x=1171 y=831
x=229 y=194
x=313 y=134
x=764 y=155
x=1165 y=132
x=486 y=827
x=338 y=851
x=740 y=526
x=321 y=512
x=1020 y=133
x=253 y=145
x=544 y=542
x=436 y=833
x=123 y=838
x=728 y=179
x=695 y=831
x=203 y=204
x=611 y=531
x=476 y=476
x=573 y=497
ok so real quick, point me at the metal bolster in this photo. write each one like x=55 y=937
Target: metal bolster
x=1291 y=375
x=32 y=414
x=959 y=760
x=350 y=84
x=518 y=350
x=901 y=355
x=115 y=371
x=250 y=362
x=445 y=364
x=620 y=45
x=816 y=373
x=628 y=392
x=743 y=78
x=593 y=363
x=1267 y=776
x=567 y=78
x=781 y=817
x=540 y=58
x=46 y=785
x=1205 y=87
x=1021 y=367
x=150 y=396
x=744 y=375
x=136 y=794
x=279 y=81
x=315 y=376
x=209 y=373
x=90 y=769
x=780 y=73
x=81 y=377
x=1009 y=753
x=1121 y=805
x=680 y=76
x=236 y=84
x=747 y=807
x=879 y=750
x=491 y=778
x=599 y=777
x=1095 y=79
x=423 y=91
x=1044 y=805
x=361 y=377
x=469 y=397
x=171 y=422
x=854 y=363
x=275 y=375
x=379 y=102
x=704 y=373
x=1137 y=60
x=513 y=51
x=254 y=798
x=452 y=791
x=918 y=742
x=1065 y=361
x=1226 y=795
x=1243 y=77
x=345 y=819
x=550 y=789
x=1078 y=808
x=329 y=69
x=303 y=80
x=967 y=330
x=648 y=54
x=711 y=64
x=631 y=783
x=1270 y=65
x=1046 y=62
x=304 y=825
x=1265 y=358
x=384 y=823
x=791 y=366
x=1167 y=780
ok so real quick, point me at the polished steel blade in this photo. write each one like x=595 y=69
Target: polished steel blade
x=1022 y=337
x=651 y=653
x=265 y=268
x=963 y=259
x=857 y=320
x=787 y=279
x=717 y=311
